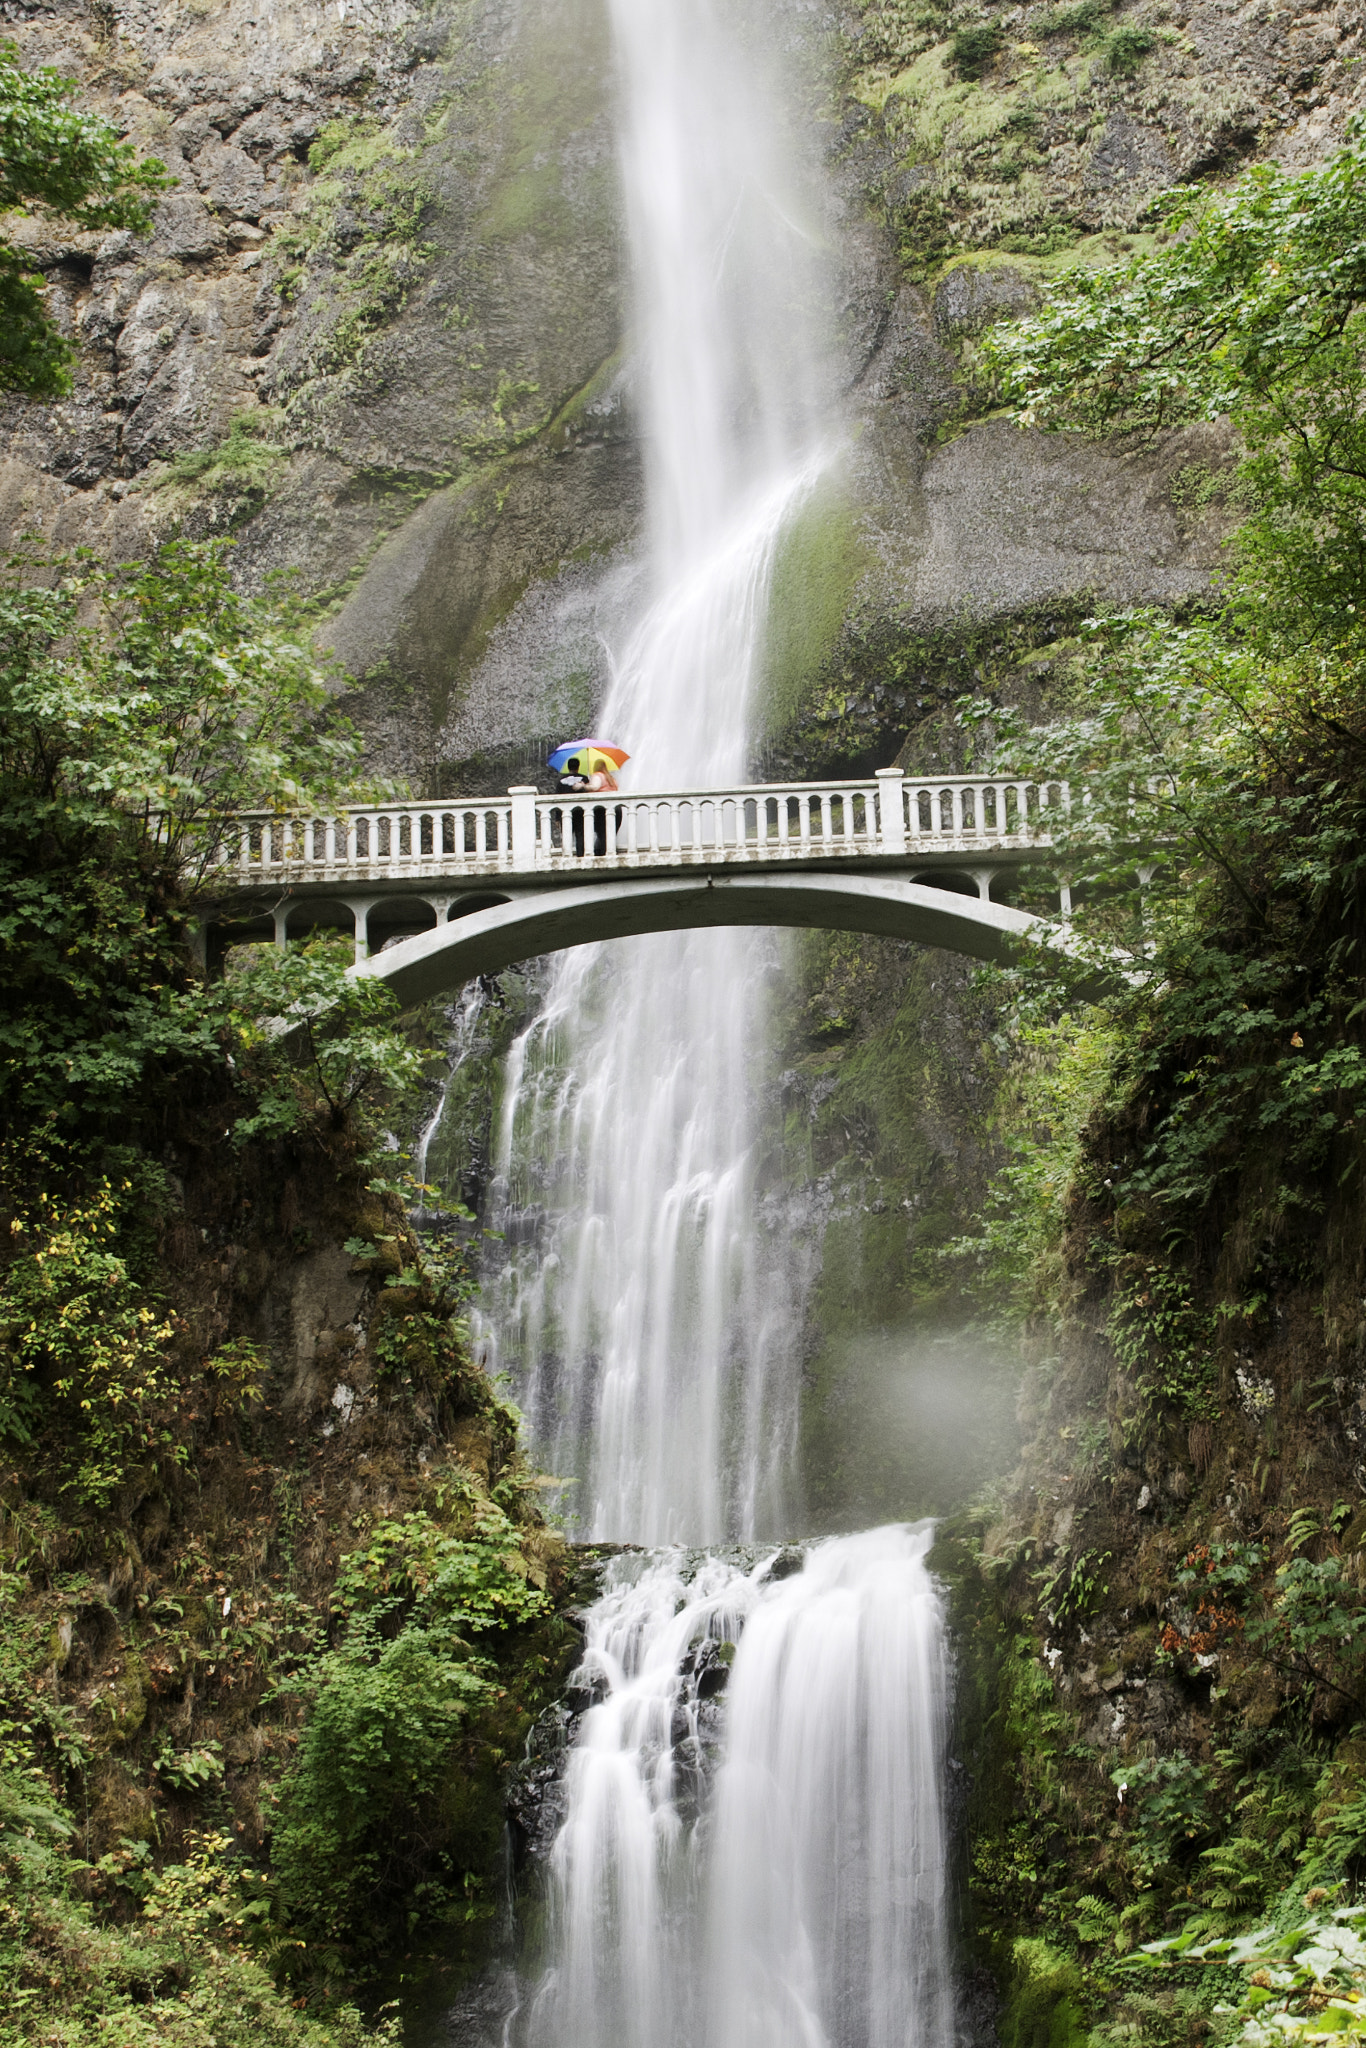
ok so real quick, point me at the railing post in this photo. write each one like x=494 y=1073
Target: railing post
x=523 y=825
x=891 y=811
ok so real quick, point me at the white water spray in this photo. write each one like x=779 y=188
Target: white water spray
x=651 y=1326
x=805 y=1908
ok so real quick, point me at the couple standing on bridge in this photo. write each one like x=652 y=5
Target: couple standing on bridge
x=588 y=767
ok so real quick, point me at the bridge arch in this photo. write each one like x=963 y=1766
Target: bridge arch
x=539 y=921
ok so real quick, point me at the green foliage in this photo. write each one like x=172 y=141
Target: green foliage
x=1126 y=48
x=1168 y=1800
x=1298 y=1983
x=69 y=164
x=1074 y=1586
x=1253 y=310
x=83 y=1348
x=1059 y=1075
x=1044 y=2003
x=180 y=1975
x=136 y=703
x=245 y=458
x=1315 y=1624
x=1218 y=858
x=974 y=49
x=312 y=1039
x=478 y=1582
x=365 y=1815
x=1079 y=19
x=1165 y=1340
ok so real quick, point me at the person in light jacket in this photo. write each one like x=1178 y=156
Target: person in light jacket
x=573 y=783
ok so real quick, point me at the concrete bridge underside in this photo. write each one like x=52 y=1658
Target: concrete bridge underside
x=533 y=922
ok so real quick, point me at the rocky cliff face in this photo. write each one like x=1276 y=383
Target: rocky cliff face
x=379 y=335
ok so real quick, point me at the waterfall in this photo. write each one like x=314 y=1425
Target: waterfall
x=789 y=1895
x=751 y=1853
x=650 y=1326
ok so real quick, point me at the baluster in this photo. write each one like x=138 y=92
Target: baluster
x=957 y=811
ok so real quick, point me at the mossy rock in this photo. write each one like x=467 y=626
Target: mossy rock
x=1044 y=2002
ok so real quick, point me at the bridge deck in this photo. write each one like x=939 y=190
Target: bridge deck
x=889 y=818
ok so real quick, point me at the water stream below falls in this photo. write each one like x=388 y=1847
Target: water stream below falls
x=752 y=1851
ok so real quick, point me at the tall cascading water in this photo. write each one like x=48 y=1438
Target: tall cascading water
x=649 y=1322
x=805 y=1907
x=751 y=1853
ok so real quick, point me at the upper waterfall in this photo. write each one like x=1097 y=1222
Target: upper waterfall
x=651 y=1324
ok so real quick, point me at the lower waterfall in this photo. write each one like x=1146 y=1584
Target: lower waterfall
x=752 y=1852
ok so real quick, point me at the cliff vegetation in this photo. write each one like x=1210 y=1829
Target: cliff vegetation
x=1165 y=1608
x=277 y=1603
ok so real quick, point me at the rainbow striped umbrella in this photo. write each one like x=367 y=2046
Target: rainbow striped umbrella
x=588 y=757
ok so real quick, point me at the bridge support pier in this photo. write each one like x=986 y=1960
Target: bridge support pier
x=983 y=877
x=360 y=908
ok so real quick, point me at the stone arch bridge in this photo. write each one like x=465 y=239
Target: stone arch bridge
x=437 y=892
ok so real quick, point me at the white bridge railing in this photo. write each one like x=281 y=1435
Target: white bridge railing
x=523 y=833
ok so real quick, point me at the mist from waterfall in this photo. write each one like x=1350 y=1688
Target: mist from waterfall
x=798 y=1900
x=649 y=1322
